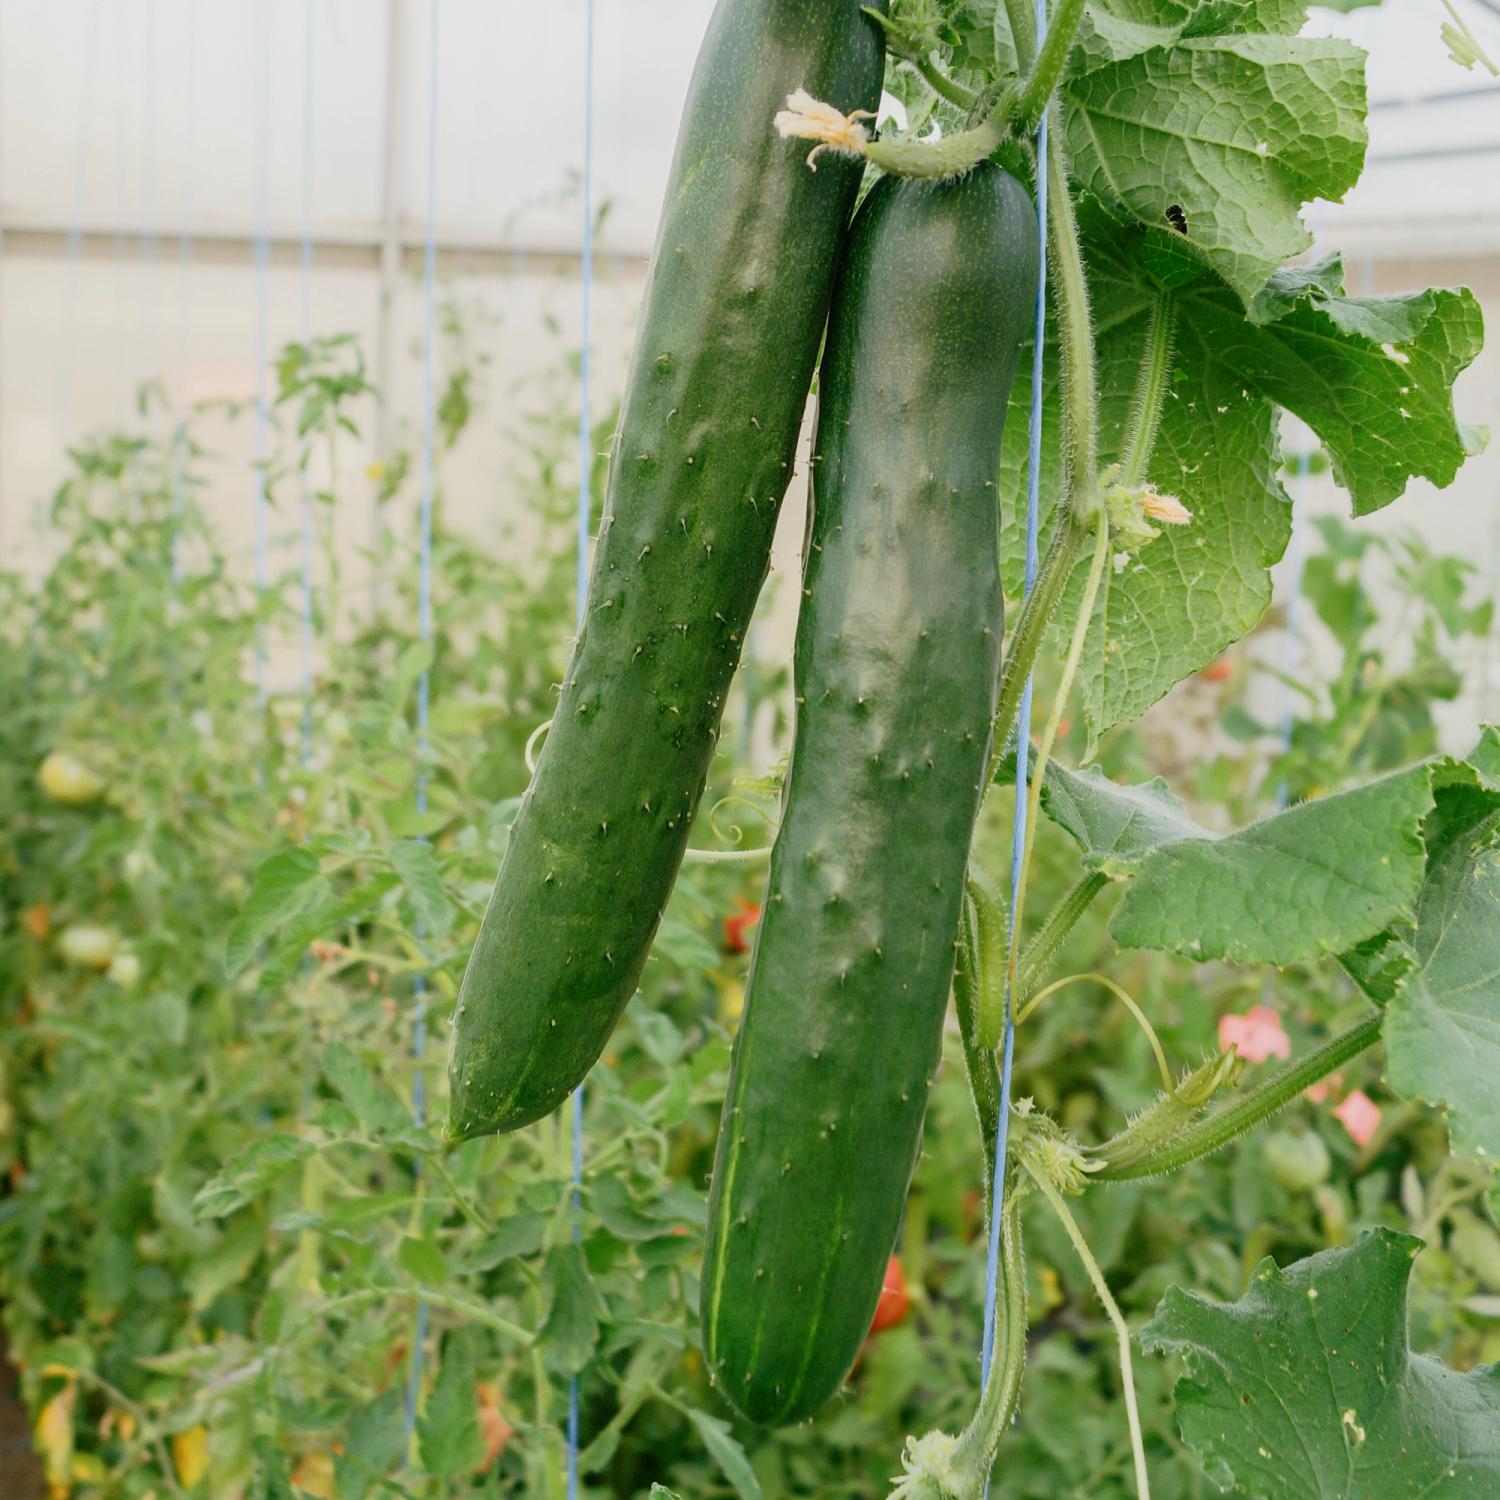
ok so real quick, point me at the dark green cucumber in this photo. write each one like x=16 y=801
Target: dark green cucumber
x=897 y=658
x=734 y=311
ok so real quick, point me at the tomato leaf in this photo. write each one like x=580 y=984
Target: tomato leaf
x=416 y=865
x=283 y=885
x=727 y=1453
x=248 y=1173
x=573 y=1313
x=448 y=1432
x=1307 y=1385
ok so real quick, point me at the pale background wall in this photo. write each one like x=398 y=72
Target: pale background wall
x=143 y=142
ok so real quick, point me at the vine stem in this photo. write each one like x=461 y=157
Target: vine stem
x=1116 y=1317
x=943 y=86
x=1218 y=1130
x=1045 y=72
x=1001 y=1397
x=1049 y=734
x=1061 y=920
x=1125 y=999
x=1080 y=506
x=1150 y=391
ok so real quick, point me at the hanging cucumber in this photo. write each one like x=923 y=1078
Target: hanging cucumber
x=729 y=333
x=897 y=656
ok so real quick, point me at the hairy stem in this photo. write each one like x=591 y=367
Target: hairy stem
x=1036 y=94
x=1022 y=30
x=943 y=86
x=1049 y=734
x=1001 y=1396
x=1080 y=504
x=1218 y=1130
x=1079 y=394
x=1115 y=1316
x=979 y=1061
x=1150 y=392
x=1061 y=920
x=1041 y=604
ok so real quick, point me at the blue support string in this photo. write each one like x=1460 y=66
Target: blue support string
x=1023 y=734
x=585 y=511
x=424 y=624
x=262 y=322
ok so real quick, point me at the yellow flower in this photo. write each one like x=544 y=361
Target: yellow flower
x=1167 y=509
x=809 y=119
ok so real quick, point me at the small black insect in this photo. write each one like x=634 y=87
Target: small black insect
x=1176 y=218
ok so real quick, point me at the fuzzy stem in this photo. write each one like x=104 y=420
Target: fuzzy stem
x=979 y=1061
x=1002 y=1390
x=1049 y=735
x=1115 y=1316
x=1218 y=1130
x=1061 y=921
x=1031 y=629
x=1150 y=392
x=1042 y=80
x=1022 y=30
x=1080 y=404
x=1080 y=447
x=943 y=86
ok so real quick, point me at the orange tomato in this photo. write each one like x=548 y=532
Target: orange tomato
x=895 y=1301
x=737 y=924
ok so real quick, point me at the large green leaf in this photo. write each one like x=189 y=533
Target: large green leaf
x=1311 y=881
x=1345 y=365
x=1442 y=1028
x=1116 y=826
x=1307 y=1389
x=1151 y=132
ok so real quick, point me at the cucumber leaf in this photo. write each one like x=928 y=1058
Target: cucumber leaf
x=1314 y=880
x=1307 y=1386
x=1311 y=881
x=1348 y=366
x=1442 y=1027
x=1150 y=132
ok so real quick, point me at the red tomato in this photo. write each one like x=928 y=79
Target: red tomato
x=894 y=1303
x=737 y=924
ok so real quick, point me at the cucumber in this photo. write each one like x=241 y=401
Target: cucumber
x=734 y=311
x=897 y=658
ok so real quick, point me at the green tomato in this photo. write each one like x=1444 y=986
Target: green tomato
x=67 y=779
x=125 y=969
x=1297 y=1161
x=87 y=946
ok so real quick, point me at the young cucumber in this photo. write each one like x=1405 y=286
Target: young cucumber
x=898 y=649
x=734 y=310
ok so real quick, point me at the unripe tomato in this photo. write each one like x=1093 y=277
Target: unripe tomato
x=1299 y=1162
x=895 y=1302
x=125 y=969
x=68 y=780
x=87 y=946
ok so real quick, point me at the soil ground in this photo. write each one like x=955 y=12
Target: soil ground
x=20 y=1474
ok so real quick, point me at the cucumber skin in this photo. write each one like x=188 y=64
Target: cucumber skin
x=897 y=660
x=734 y=311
